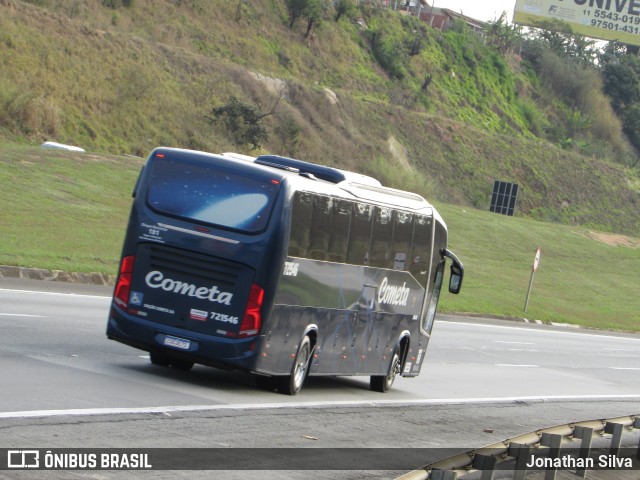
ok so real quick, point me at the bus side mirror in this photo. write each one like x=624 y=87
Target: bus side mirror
x=457 y=271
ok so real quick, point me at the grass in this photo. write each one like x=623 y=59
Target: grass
x=68 y=211
x=580 y=280
x=62 y=210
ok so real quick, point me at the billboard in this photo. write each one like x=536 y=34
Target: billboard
x=617 y=20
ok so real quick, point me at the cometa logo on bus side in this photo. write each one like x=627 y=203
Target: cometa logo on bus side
x=156 y=279
x=393 y=294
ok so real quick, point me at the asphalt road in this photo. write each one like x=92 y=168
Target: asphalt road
x=64 y=384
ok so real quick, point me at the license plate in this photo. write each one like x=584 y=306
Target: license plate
x=176 y=342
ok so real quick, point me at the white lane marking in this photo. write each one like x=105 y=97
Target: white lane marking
x=20 y=315
x=35 y=292
x=536 y=330
x=514 y=365
x=346 y=403
x=513 y=343
x=624 y=368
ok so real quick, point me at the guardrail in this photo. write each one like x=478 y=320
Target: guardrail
x=520 y=449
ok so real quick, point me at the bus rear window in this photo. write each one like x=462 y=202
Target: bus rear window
x=205 y=193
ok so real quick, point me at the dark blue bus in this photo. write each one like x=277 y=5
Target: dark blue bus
x=278 y=267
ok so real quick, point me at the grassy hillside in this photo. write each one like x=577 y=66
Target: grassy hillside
x=438 y=113
x=64 y=211
x=68 y=211
x=125 y=79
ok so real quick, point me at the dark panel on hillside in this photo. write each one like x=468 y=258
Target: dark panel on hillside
x=504 y=197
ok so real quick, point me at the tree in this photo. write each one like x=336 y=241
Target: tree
x=622 y=81
x=502 y=35
x=559 y=38
x=621 y=78
x=242 y=122
x=313 y=12
x=295 y=8
x=631 y=125
x=344 y=8
x=612 y=52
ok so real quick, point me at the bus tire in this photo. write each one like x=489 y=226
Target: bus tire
x=382 y=383
x=164 y=360
x=292 y=384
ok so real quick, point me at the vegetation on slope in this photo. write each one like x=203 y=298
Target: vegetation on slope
x=440 y=113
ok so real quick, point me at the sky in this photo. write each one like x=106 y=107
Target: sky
x=479 y=9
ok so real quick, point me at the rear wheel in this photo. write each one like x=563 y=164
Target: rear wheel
x=292 y=384
x=382 y=383
x=164 y=360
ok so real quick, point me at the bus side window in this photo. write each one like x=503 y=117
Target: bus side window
x=339 y=231
x=381 y=238
x=300 y=224
x=402 y=237
x=320 y=228
x=421 y=250
x=360 y=234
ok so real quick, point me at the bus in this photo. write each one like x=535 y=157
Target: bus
x=278 y=267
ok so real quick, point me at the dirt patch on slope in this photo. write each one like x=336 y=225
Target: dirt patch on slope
x=615 y=240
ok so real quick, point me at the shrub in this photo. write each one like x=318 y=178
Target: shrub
x=115 y=4
x=242 y=122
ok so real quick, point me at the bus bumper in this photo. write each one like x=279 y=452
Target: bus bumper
x=198 y=348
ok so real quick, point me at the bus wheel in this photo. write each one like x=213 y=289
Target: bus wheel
x=382 y=383
x=292 y=384
x=165 y=360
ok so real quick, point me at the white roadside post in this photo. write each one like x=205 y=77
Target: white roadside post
x=534 y=267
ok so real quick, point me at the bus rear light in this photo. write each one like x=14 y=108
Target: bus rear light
x=252 y=318
x=123 y=285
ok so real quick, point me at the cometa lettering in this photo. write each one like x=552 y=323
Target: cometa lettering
x=157 y=279
x=632 y=6
x=393 y=294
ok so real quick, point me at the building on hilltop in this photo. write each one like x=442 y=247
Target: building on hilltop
x=441 y=18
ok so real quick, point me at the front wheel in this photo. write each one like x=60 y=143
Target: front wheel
x=292 y=384
x=382 y=383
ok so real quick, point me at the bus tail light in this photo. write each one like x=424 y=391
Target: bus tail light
x=123 y=285
x=252 y=319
